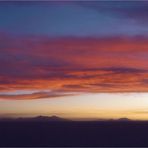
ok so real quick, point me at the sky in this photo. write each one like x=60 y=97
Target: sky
x=74 y=59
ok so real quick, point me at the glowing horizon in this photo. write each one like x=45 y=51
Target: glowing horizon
x=84 y=106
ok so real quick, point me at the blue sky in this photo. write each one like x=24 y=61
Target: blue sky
x=72 y=19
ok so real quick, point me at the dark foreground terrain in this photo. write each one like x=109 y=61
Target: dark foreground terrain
x=68 y=133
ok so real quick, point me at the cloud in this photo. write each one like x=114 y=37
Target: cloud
x=140 y=112
x=36 y=95
x=134 y=10
x=111 y=64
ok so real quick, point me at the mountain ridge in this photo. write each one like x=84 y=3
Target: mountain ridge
x=37 y=118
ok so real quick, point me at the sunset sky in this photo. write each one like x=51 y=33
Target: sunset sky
x=76 y=59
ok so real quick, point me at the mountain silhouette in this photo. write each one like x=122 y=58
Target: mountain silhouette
x=37 y=118
x=49 y=118
x=123 y=119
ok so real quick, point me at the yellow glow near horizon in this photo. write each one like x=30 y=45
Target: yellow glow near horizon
x=85 y=106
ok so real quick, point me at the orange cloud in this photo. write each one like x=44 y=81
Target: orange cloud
x=113 y=64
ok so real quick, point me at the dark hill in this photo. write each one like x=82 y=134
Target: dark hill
x=38 y=118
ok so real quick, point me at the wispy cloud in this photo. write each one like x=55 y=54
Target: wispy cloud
x=36 y=95
x=112 y=64
x=134 y=10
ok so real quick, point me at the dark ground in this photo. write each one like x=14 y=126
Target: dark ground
x=28 y=133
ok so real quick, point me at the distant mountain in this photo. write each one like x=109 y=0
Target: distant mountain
x=47 y=118
x=57 y=119
x=38 y=118
x=123 y=119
